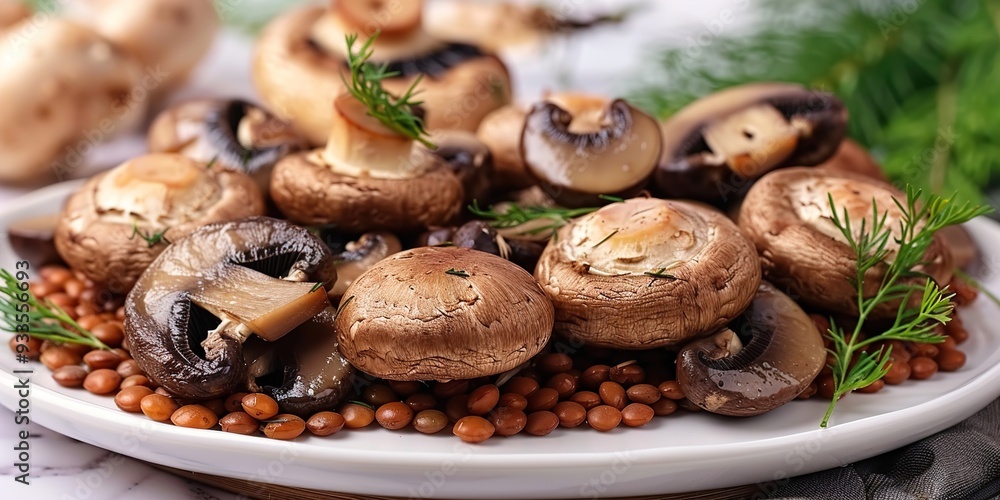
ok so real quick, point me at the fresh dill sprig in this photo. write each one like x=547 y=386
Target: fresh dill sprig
x=921 y=218
x=44 y=320
x=397 y=113
x=151 y=238
x=515 y=215
x=457 y=272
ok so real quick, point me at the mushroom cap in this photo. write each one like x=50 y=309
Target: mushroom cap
x=851 y=157
x=646 y=273
x=716 y=145
x=154 y=193
x=12 y=12
x=787 y=216
x=582 y=146
x=298 y=79
x=309 y=192
x=783 y=355
x=169 y=35
x=414 y=317
x=469 y=158
x=501 y=132
x=73 y=88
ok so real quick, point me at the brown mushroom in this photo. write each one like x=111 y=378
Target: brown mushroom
x=646 y=273
x=851 y=157
x=368 y=178
x=12 y=12
x=763 y=360
x=581 y=147
x=231 y=134
x=359 y=256
x=469 y=159
x=787 y=215
x=189 y=314
x=717 y=146
x=443 y=313
x=34 y=238
x=300 y=61
x=113 y=227
x=479 y=235
x=501 y=132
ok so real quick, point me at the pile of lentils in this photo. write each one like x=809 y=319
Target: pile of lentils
x=562 y=386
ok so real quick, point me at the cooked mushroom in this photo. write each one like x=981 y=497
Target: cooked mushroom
x=231 y=134
x=963 y=248
x=851 y=157
x=303 y=371
x=168 y=36
x=501 y=132
x=300 y=60
x=763 y=360
x=469 y=159
x=442 y=313
x=787 y=215
x=359 y=256
x=12 y=12
x=479 y=235
x=72 y=90
x=33 y=238
x=190 y=312
x=368 y=178
x=717 y=146
x=119 y=221
x=646 y=273
x=583 y=146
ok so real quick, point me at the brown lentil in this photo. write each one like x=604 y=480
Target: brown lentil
x=563 y=383
x=394 y=415
x=541 y=423
x=612 y=394
x=664 y=407
x=604 y=418
x=357 y=416
x=158 y=407
x=259 y=406
x=32 y=347
x=103 y=381
x=508 y=421
x=950 y=360
x=421 y=401
x=643 y=393
x=99 y=358
x=128 y=368
x=513 y=400
x=593 y=377
x=473 y=429
x=405 y=388
x=873 y=387
x=555 y=362
x=130 y=399
x=447 y=390
x=430 y=421
x=378 y=395
x=234 y=402
x=587 y=399
x=239 y=422
x=627 y=375
x=524 y=386
x=110 y=333
x=134 y=380
x=542 y=399
x=925 y=350
x=671 y=390
x=483 y=399
x=570 y=414
x=637 y=415
x=195 y=417
x=899 y=370
x=325 y=423
x=457 y=407
x=284 y=426
x=57 y=357
x=70 y=375
x=218 y=406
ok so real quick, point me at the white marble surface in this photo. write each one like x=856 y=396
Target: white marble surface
x=601 y=61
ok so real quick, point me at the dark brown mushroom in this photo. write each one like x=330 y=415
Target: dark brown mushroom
x=192 y=309
x=469 y=159
x=766 y=358
x=717 y=146
x=34 y=238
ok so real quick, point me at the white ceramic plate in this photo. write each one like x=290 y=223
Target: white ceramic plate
x=680 y=453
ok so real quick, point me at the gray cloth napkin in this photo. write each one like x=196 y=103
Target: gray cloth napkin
x=962 y=462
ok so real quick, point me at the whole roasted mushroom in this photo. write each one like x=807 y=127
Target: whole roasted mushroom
x=717 y=146
x=191 y=311
x=113 y=227
x=788 y=217
x=300 y=62
x=368 y=178
x=231 y=134
x=766 y=358
x=580 y=147
x=647 y=273
x=442 y=313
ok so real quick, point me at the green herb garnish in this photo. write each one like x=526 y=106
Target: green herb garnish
x=606 y=238
x=44 y=320
x=917 y=225
x=366 y=86
x=211 y=163
x=457 y=272
x=151 y=239
x=660 y=273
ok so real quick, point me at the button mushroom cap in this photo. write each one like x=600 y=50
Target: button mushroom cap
x=443 y=313
x=728 y=375
x=168 y=36
x=501 y=132
x=647 y=273
x=787 y=215
x=299 y=63
x=192 y=309
x=73 y=90
x=716 y=146
x=104 y=227
x=580 y=146
x=231 y=134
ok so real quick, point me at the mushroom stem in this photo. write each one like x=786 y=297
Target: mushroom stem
x=361 y=146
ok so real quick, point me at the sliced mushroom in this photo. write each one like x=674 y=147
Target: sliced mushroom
x=300 y=62
x=501 y=132
x=443 y=313
x=851 y=157
x=581 y=147
x=646 y=273
x=359 y=256
x=119 y=221
x=762 y=361
x=190 y=312
x=229 y=134
x=73 y=89
x=34 y=238
x=787 y=215
x=367 y=168
x=717 y=146
x=469 y=159
x=303 y=371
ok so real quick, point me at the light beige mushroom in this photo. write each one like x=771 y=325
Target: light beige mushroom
x=113 y=227
x=647 y=273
